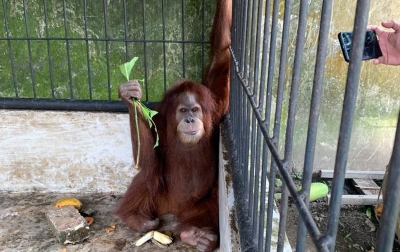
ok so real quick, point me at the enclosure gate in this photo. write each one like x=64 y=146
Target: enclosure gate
x=254 y=130
x=252 y=127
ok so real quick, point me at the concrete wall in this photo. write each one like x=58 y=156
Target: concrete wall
x=64 y=151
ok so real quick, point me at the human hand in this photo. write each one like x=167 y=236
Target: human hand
x=389 y=42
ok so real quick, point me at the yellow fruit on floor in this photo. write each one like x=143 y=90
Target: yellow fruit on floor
x=69 y=202
x=317 y=190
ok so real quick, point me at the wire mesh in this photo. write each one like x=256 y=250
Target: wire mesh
x=69 y=52
x=259 y=152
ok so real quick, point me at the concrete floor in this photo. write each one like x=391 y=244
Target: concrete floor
x=24 y=228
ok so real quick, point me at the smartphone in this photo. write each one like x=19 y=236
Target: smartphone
x=371 y=45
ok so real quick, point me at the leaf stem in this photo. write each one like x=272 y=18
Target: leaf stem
x=138 y=135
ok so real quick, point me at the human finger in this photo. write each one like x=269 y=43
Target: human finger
x=376 y=61
x=372 y=27
x=380 y=60
x=378 y=29
x=395 y=25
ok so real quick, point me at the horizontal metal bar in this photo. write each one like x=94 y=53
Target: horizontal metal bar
x=354 y=174
x=359 y=199
x=71 y=105
x=108 y=40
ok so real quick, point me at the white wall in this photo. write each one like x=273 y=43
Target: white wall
x=64 y=151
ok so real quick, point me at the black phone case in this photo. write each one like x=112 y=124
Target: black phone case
x=371 y=45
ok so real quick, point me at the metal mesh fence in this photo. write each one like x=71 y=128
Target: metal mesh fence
x=259 y=107
x=66 y=54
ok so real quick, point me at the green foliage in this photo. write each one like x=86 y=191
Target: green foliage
x=148 y=114
x=368 y=212
x=127 y=67
x=87 y=69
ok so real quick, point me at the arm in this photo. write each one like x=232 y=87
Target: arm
x=389 y=42
x=149 y=162
x=217 y=77
x=127 y=91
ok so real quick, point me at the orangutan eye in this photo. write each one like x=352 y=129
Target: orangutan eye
x=183 y=110
x=194 y=110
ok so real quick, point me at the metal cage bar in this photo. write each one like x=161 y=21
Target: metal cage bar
x=67 y=46
x=256 y=159
x=107 y=40
x=314 y=115
x=49 y=55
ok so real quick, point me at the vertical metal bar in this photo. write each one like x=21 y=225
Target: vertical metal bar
x=272 y=51
x=244 y=221
x=145 y=49
x=250 y=143
x=183 y=40
x=164 y=47
x=241 y=39
x=107 y=48
x=49 y=56
x=257 y=53
x=252 y=83
x=270 y=205
x=126 y=32
x=278 y=113
x=256 y=92
x=252 y=45
x=252 y=166
x=247 y=32
x=245 y=149
x=71 y=88
x=264 y=57
x=263 y=182
x=87 y=50
x=353 y=77
x=28 y=40
x=10 y=52
x=315 y=99
x=202 y=38
x=391 y=199
x=271 y=64
x=257 y=192
x=300 y=40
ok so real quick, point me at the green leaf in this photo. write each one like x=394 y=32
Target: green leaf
x=126 y=68
x=368 y=212
x=278 y=182
x=148 y=115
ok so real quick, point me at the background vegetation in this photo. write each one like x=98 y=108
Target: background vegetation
x=97 y=47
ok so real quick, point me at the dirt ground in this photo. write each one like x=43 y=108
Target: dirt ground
x=357 y=229
x=23 y=226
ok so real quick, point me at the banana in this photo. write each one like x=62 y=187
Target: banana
x=162 y=238
x=69 y=202
x=317 y=190
x=144 y=239
x=159 y=244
